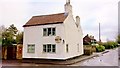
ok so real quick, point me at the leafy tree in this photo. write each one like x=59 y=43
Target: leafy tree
x=19 y=38
x=2 y=28
x=8 y=35
x=12 y=29
x=110 y=44
x=118 y=39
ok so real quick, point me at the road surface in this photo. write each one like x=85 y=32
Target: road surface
x=107 y=59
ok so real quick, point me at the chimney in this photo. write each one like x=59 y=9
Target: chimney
x=77 y=21
x=68 y=7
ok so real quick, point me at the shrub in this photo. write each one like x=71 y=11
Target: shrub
x=100 y=48
x=110 y=45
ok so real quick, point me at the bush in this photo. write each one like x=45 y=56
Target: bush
x=100 y=48
x=110 y=45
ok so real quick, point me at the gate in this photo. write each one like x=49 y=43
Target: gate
x=11 y=52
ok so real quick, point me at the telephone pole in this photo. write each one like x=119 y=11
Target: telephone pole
x=99 y=34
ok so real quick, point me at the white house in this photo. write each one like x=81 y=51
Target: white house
x=54 y=36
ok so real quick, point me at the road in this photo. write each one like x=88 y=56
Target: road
x=107 y=59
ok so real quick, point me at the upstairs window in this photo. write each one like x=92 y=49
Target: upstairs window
x=49 y=31
x=44 y=32
x=53 y=31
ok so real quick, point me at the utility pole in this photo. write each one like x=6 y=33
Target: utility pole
x=99 y=34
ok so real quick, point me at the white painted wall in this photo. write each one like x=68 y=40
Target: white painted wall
x=34 y=35
x=73 y=36
x=68 y=31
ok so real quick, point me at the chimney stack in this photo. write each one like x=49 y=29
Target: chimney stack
x=77 y=21
x=68 y=7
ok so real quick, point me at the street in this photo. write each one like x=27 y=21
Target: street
x=107 y=59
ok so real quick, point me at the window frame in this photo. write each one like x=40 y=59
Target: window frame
x=78 y=47
x=45 y=33
x=67 y=48
x=32 y=50
x=49 y=48
x=52 y=33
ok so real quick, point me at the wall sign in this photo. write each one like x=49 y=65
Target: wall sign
x=58 y=39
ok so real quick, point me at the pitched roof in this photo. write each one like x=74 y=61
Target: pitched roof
x=46 y=19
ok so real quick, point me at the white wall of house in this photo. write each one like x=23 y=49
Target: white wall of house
x=74 y=37
x=34 y=35
x=68 y=31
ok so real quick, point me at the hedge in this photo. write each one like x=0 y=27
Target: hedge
x=110 y=45
x=100 y=48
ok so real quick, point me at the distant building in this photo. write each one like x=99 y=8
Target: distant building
x=54 y=36
x=89 y=40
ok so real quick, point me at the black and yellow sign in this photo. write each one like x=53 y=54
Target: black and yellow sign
x=58 y=39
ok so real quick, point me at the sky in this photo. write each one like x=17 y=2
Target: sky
x=91 y=12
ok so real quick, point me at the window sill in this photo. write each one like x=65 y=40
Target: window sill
x=49 y=36
x=49 y=52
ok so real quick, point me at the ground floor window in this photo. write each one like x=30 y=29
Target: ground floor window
x=31 y=48
x=67 y=48
x=49 y=48
x=78 y=47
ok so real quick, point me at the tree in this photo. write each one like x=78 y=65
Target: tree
x=19 y=38
x=8 y=35
x=118 y=39
x=12 y=29
x=2 y=29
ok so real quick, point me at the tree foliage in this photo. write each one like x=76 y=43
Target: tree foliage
x=110 y=44
x=100 y=48
x=19 y=38
x=2 y=28
x=8 y=35
x=118 y=39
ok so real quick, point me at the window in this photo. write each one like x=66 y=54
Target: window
x=49 y=31
x=49 y=48
x=53 y=31
x=44 y=48
x=31 y=48
x=44 y=32
x=66 y=47
x=78 y=47
x=53 y=48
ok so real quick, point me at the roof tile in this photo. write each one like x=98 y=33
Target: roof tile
x=46 y=19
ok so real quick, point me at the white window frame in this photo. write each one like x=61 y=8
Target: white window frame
x=49 y=50
x=67 y=48
x=78 y=47
x=31 y=49
x=46 y=33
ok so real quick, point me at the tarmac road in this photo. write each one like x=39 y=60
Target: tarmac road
x=107 y=59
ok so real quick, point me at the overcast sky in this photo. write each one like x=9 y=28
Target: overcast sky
x=91 y=12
